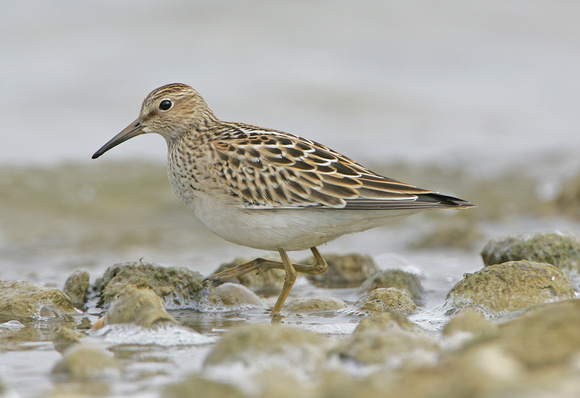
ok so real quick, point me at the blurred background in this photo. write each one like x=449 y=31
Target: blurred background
x=478 y=99
x=475 y=99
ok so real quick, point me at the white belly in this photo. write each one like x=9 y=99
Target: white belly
x=288 y=229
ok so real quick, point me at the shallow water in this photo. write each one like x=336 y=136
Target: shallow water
x=59 y=219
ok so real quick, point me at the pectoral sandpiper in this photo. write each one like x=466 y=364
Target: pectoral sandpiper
x=268 y=189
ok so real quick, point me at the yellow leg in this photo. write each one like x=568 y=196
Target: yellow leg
x=288 y=282
x=319 y=267
x=259 y=265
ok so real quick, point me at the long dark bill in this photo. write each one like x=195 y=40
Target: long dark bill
x=132 y=130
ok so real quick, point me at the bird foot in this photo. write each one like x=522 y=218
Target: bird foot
x=259 y=265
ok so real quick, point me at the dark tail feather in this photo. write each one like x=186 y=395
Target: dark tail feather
x=444 y=200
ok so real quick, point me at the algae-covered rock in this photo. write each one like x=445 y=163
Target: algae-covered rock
x=86 y=362
x=265 y=283
x=389 y=339
x=507 y=287
x=484 y=371
x=533 y=355
x=314 y=304
x=343 y=271
x=179 y=287
x=469 y=321
x=32 y=300
x=267 y=347
x=140 y=306
x=277 y=384
x=386 y=298
x=544 y=335
x=339 y=384
x=557 y=248
x=65 y=338
x=238 y=296
x=388 y=320
x=76 y=287
x=490 y=361
x=398 y=279
x=449 y=379
x=196 y=386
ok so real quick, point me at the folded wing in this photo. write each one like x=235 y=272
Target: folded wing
x=271 y=169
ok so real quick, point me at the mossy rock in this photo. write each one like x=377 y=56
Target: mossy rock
x=76 y=287
x=385 y=299
x=314 y=304
x=388 y=339
x=32 y=300
x=196 y=386
x=179 y=287
x=531 y=355
x=507 y=287
x=83 y=362
x=560 y=249
x=238 y=296
x=277 y=384
x=139 y=306
x=544 y=335
x=65 y=338
x=348 y=270
x=267 y=347
x=398 y=279
x=385 y=321
x=469 y=321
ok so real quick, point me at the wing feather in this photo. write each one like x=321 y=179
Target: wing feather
x=272 y=169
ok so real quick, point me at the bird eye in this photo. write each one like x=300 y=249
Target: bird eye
x=165 y=105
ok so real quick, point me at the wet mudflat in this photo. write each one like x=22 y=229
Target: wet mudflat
x=395 y=313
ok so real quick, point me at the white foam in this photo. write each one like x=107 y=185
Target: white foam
x=345 y=328
x=168 y=335
x=12 y=325
x=432 y=319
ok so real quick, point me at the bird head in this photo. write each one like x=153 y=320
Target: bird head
x=171 y=111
